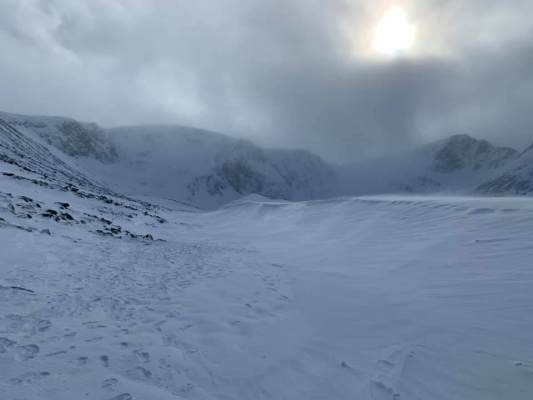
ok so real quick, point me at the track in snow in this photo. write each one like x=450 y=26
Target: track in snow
x=377 y=298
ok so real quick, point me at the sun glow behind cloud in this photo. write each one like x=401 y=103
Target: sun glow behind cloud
x=394 y=34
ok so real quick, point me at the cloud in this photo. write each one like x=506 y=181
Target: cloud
x=286 y=73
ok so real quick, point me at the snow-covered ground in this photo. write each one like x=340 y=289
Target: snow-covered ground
x=380 y=298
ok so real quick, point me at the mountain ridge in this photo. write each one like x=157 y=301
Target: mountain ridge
x=209 y=169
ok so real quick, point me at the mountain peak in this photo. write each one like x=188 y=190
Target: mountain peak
x=461 y=138
x=463 y=151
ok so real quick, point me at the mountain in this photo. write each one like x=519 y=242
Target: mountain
x=461 y=152
x=455 y=165
x=189 y=165
x=19 y=149
x=73 y=138
x=516 y=180
x=209 y=169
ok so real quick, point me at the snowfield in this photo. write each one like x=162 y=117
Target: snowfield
x=379 y=298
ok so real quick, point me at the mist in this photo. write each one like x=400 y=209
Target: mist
x=284 y=74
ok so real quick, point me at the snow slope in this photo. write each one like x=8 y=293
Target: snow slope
x=71 y=137
x=379 y=298
x=517 y=180
x=18 y=148
x=207 y=169
x=456 y=165
x=184 y=164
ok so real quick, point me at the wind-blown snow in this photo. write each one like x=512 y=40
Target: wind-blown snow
x=366 y=298
x=105 y=296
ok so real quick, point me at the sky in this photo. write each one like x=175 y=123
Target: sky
x=282 y=73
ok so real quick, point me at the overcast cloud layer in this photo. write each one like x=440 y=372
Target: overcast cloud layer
x=287 y=73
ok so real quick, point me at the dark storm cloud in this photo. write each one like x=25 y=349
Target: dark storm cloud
x=283 y=73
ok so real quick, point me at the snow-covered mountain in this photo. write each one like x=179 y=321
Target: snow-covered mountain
x=455 y=165
x=381 y=297
x=516 y=180
x=19 y=148
x=210 y=169
x=71 y=137
x=174 y=162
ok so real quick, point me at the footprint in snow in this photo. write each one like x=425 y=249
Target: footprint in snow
x=41 y=326
x=104 y=361
x=143 y=373
x=187 y=387
x=82 y=361
x=123 y=396
x=93 y=325
x=143 y=356
x=24 y=353
x=6 y=345
x=158 y=325
x=29 y=377
x=52 y=339
x=109 y=384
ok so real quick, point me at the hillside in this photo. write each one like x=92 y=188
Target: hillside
x=517 y=179
x=113 y=297
x=208 y=169
x=455 y=165
x=378 y=298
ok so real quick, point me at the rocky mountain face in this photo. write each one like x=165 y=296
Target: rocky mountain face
x=517 y=180
x=69 y=136
x=17 y=148
x=189 y=165
x=461 y=152
x=455 y=165
x=209 y=169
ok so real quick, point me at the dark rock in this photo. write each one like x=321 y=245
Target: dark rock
x=149 y=237
x=49 y=213
x=67 y=216
x=7 y=174
x=116 y=230
x=26 y=199
x=46 y=232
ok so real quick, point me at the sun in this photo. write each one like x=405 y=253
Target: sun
x=394 y=34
